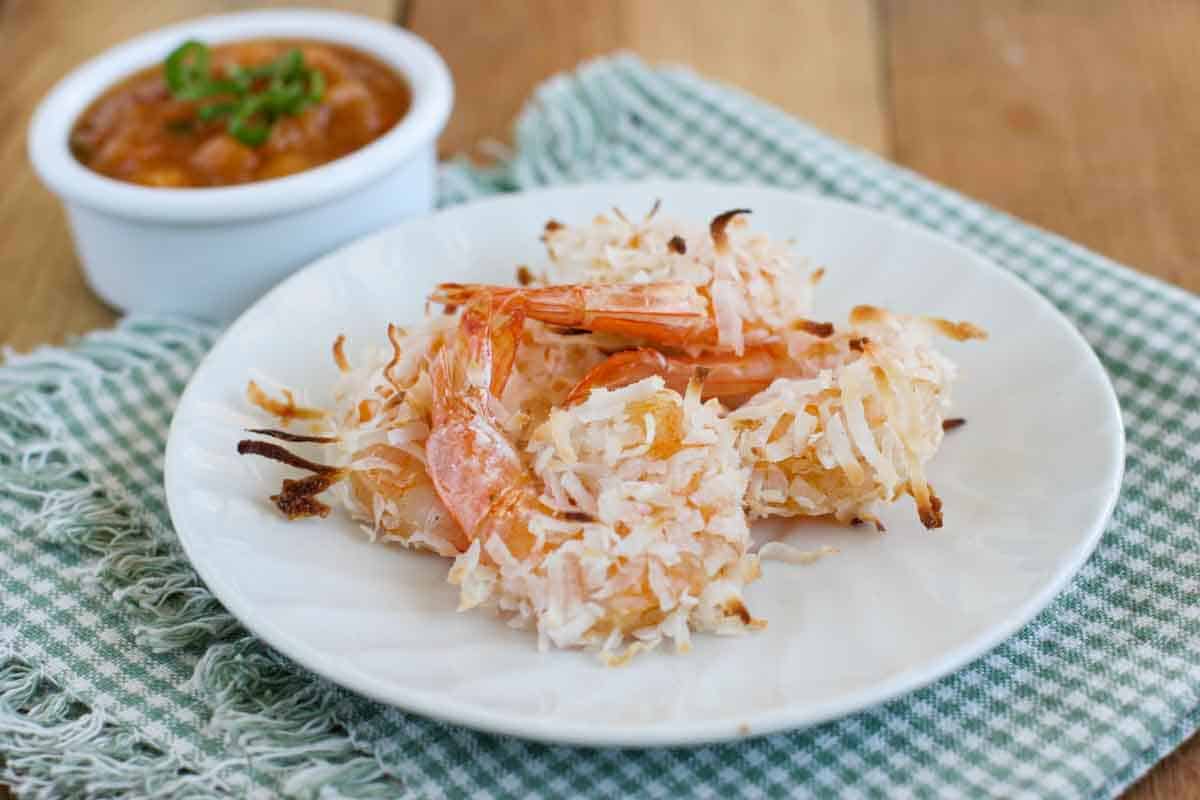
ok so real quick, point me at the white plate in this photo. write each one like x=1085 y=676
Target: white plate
x=1028 y=485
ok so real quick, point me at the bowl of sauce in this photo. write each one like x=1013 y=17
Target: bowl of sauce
x=202 y=163
x=144 y=131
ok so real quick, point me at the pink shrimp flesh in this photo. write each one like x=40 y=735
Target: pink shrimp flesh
x=671 y=313
x=732 y=379
x=475 y=469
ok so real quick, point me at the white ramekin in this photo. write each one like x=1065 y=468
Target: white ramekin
x=210 y=252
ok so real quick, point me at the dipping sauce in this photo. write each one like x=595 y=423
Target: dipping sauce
x=140 y=132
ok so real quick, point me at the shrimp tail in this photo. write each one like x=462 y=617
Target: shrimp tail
x=730 y=378
x=478 y=361
x=621 y=369
x=671 y=313
x=476 y=470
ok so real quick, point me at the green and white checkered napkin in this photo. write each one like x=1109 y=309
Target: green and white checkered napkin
x=120 y=674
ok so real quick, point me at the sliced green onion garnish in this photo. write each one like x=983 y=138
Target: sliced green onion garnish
x=250 y=99
x=188 y=74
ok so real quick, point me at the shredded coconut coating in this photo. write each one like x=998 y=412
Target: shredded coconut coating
x=860 y=431
x=757 y=286
x=642 y=536
x=382 y=419
x=548 y=366
x=637 y=499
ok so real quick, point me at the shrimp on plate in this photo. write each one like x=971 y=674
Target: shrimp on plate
x=589 y=451
x=372 y=459
x=860 y=430
x=723 y=286
x=880 y=375
x=372 y=439
x=622 y=520
x=874 y=395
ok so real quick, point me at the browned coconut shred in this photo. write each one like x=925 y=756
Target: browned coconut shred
x=716 y=228
x=339 y=353
x=275 y=452
x=822 y=330
x=285 y=409
x=296 y=498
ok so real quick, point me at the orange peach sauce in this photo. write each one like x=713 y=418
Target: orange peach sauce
x=138 y=133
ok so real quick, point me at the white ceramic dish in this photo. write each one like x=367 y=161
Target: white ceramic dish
x=1028 y=485
x=210 y=252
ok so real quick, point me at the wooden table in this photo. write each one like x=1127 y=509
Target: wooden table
x=1078 y=115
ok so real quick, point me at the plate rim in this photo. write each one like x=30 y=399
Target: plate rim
x=656 y=734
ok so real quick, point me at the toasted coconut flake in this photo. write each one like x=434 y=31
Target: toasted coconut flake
x=285 y=409
x=653 y=209
x=283 y=455
x=867 y=315
x=865 y=518
x=727 y=306
x=822 y=330
x=297 y=499
x=394 y=335
x=716 y=228
x=929 y=507
x=790 y=554
x=292 y=437
x=959 y=331
x=734 y=607
x=339 y=353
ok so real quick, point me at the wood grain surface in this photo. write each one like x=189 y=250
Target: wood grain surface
x=821 y=60
x=1076 y=115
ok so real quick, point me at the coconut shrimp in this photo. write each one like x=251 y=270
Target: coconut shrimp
x=626 y=522
x=848 y=421
x=674 y=314
x=860 y=431
x=373 y=436
x=734 y=379
x=755 y=283
x=588 y=447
